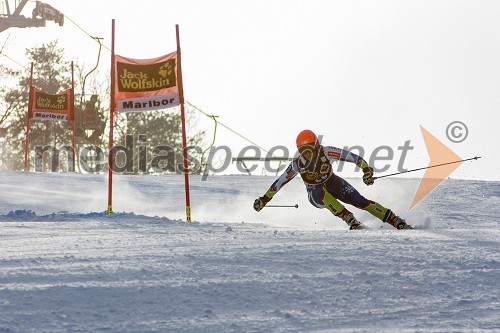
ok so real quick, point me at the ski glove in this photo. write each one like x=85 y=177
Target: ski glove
x=368 y=176
x=259 y=203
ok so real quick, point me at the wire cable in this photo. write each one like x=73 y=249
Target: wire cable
x=227 y=127
x=13 y=60
x=85 y=32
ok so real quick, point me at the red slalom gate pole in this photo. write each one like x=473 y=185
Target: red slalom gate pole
x=111 y=120
x=30 y=106
x=183 y=122
x=72 y=106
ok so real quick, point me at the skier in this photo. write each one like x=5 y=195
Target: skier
x=326 y=189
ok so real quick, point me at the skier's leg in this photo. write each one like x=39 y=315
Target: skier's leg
x=319 y=197
x=344 y=191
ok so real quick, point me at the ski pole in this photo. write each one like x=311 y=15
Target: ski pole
x=283 y=206
x=428 y=167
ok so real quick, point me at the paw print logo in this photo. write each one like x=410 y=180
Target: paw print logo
x=61 y=100
x=166 y=69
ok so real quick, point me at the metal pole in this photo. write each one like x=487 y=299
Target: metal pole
x=282 y=206
x=432 y=166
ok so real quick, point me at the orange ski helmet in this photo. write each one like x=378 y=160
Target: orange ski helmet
x=306 y=137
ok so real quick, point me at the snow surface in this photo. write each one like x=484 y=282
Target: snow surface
x=66 y=267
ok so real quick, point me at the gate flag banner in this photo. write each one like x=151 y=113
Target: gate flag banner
x=146 y=84
x=45 y=106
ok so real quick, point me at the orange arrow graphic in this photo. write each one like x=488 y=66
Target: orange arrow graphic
x=438 y=154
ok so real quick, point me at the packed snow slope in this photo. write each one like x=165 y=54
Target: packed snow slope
x=66 y=267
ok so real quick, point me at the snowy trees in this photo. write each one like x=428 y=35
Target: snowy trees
x=51 y=74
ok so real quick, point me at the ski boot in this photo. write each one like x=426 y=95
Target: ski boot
x=350 y=220
x=397 y=222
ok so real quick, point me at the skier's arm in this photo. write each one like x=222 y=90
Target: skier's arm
x=334 y=153
x=285 y=177
x=339 y=154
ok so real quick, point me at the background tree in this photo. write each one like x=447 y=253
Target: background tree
x=51 y=74
x=160 y=133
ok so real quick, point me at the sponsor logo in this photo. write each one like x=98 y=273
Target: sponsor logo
x=151 y=77
x=148 y=103
x=51 y=102
x=334 y=154
x=325 y=168
x=312 y=175
x=50 y=116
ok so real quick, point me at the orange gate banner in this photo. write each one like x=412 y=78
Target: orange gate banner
x=146 y=84
x=45 y=106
